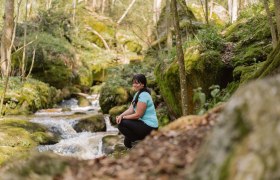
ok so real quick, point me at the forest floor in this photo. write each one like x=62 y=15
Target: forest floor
x=165 y=154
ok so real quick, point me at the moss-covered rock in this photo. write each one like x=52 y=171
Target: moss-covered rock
x=203 y=69
x=40 y=165
x=93 y=123
x=112 y=96
x=244 y=144
x=18 y=137
x=115 y=111
x=28 y=96
x=110 y=142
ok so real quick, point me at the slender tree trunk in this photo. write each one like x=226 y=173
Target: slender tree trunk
x=233 y=6
x=277 y=15
x=6 y=47
x=24 y=42
x=157 y=10
x=74 y=10
x=7 y=35
x=93 y=5
x=206 y=11
x=180 y=57
x=230 y=9
x=272 y=27
x=126 y=11
x=168 y=25
x=103 y=6
x=211 y=9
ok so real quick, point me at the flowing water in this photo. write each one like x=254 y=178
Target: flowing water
x=83 y=145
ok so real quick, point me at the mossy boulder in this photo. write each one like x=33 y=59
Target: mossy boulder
x=112 y=96
x=110 y=142
x=244 y=143
x=94 y=123
x=39 y=166
x=203 y=69
x=28 y=96
x=18 y=137
x=115 y=111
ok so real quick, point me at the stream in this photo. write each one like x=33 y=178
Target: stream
x=81 y=145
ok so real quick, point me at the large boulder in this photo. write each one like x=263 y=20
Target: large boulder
x=19 y=137
x=92 y=124
x=244 y=144
x=25 y=97
x=203 y=69
x=111 y=96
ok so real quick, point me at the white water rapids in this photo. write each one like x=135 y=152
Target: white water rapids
x=84 y=145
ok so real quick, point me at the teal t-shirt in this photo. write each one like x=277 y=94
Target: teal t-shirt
x=150 y=116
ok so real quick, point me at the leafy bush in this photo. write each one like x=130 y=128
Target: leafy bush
x=217 y=96
x=210 y=39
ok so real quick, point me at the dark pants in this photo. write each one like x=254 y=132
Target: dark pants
x=134 y=130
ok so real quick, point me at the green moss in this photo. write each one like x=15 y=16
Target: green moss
x=18 y=137
x=28 y=96
x=117 y=110
x=133 y=46
x=111 y=96
x=169 y=85
x=243 y=73
x=92 y=124
x=44 y=165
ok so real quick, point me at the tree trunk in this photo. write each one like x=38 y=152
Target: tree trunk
x=103 y=6
x=230 y=9
x=157 y=10
x=74 y=4
x=211 y=9
x=180 y=57
x=6 y=46
x=271 y=64
x=7 y=35
x=126 y=11
x=235 y=6
x=168 y=26
x=277 y=15
x=24 y=42
x=206 y=12
x=270 y=20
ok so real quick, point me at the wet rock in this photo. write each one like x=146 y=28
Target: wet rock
x=110 y=143
x=93 y=123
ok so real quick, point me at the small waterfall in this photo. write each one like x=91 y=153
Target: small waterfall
x=84 y=145
x=109 y=127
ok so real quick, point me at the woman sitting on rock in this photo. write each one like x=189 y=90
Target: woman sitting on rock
x=140 y=118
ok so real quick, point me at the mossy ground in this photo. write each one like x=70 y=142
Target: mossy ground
x=19 y=137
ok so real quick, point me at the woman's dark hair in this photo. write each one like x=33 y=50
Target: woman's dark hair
x=140 y=78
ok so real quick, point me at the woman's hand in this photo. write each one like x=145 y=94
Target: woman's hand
x=119 y=119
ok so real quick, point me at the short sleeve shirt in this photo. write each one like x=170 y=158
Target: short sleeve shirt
x=149 y=117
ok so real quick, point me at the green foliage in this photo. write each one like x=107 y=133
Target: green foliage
x=163 y=116
x=216 y=96
x=29 y=96
x=210 y=39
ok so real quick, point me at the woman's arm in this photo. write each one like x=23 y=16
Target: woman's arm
x=140 y=110
x=130 y=110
